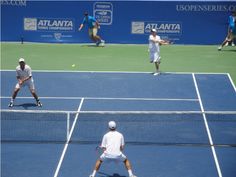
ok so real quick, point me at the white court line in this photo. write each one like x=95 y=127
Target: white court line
x=232 y=83
x=68 y=139
x=117 y=112
x=115 y=72
x=109 y=98
x=207 y=128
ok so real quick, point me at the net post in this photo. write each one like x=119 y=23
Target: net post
x=68 y=126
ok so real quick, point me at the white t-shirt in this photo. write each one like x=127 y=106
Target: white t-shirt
x=154 y=46
x=112 y=141
x=24 y=73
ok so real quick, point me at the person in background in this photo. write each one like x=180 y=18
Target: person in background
x=154 y=49
x=112 y=146
x=231 y=34
x=24 y=78
x=93 y=26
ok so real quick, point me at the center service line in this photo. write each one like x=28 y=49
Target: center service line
x=68 y=139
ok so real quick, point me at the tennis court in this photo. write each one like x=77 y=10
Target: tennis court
x=181 y=123
x=176 y=124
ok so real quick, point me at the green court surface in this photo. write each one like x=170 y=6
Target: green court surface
x=119 y=57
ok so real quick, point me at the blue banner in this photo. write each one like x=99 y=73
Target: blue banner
x=183 y=22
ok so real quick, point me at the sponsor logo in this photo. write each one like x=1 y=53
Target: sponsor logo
x=207 y=8
x=57 y=36
x=48 y=24
x=163 y=28
x=55 y=24
x=13 y=2
x=137 y=28
x=103 y=12
x=30 y=24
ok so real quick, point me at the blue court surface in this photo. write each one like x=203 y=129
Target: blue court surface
x=174 y=124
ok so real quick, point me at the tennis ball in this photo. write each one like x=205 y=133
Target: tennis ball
x=73 y=65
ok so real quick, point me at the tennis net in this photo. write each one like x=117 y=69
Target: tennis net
x=138 y=127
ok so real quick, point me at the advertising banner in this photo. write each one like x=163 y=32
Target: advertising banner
x=183 y=22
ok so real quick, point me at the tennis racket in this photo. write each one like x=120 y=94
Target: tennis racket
x=169 y=41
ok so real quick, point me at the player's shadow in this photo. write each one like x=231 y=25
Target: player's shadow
x=229 y=50
x=89 y=45
x=107 y=175
x=26 y=105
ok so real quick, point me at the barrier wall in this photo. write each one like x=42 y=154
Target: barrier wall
x=184 y=22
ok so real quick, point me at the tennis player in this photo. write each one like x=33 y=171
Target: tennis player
x=112 y=146
x=154 y=49
x=93 y=26
x=231 y=35
x=24 y=77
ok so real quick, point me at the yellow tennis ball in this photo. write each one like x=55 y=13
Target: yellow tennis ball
x=73 y=65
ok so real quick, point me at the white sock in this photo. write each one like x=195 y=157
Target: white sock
x=94 y=173
x=130 y=172
x=12 y=100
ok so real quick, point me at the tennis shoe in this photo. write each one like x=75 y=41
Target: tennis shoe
x=156 y=73
x=219 y=48
x=91 y=176
x=11 y=104
x=132 y=176
x=39 y=104
x=97 y=43
x=102 y=44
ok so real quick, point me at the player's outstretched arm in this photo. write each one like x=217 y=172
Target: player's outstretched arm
x=165 y=42
x=81 y=26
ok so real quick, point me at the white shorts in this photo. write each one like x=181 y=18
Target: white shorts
x=154 y=57
x=107 y=157
x=28 y=83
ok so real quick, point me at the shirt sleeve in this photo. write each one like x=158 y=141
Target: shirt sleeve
x=122 y=140
x=151 y=38
x=29 y=72
x=157 y=39
x=17 y=73
x=104 y=141
x=231 y=22
x=93 y=19
x=84 y=21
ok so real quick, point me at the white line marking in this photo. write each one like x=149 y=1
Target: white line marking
x=109 y=98
x=68 y=140
x=115 y=72
x=207 y=128
x=231 y=80
x=116 y=112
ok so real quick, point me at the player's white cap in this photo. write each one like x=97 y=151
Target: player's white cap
x=153 y=30
x=112 y=125
x=21 y=60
